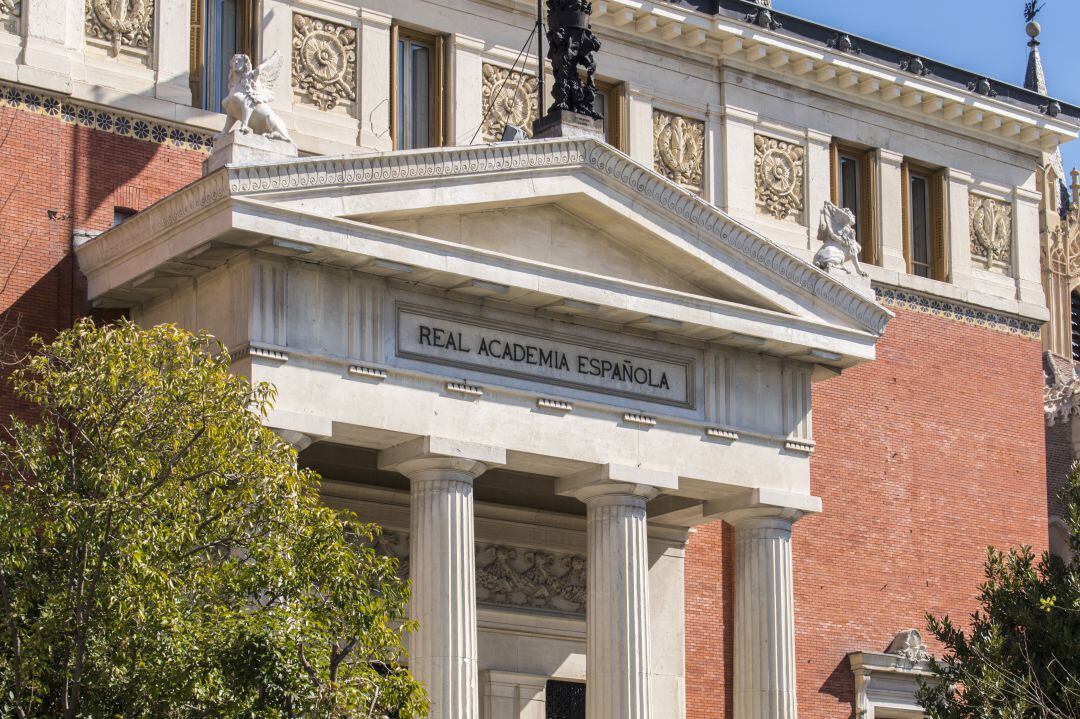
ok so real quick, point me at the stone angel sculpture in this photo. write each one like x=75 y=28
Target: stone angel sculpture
x=250 y=94
x=837 y=235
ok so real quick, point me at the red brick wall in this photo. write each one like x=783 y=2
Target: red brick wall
x=56 y=178
x=1059 y=461
x=924 y=458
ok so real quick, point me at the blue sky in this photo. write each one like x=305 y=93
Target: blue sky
x=984 y=36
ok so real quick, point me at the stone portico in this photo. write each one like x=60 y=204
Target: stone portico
x=544 y=364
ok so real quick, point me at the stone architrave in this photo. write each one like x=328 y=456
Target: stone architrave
x=679 y=149
x=127 y=23
x=323 y=62
x=991 y=230
x=779 y=169
x=509 y=98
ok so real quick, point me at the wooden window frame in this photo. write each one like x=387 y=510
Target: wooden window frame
x=247 y=43
x=438 y=81
x=615 y=109
x=867 y=214
x=937 y=201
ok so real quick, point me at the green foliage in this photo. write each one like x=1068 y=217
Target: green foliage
x=1020 y=658
x=161 y=555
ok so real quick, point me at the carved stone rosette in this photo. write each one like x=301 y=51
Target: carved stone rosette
x=509 y=97
x=323 y=62
x=508 y=576
x=121 y=23
x=991 y=230
x=679 y=149
x=779 y=168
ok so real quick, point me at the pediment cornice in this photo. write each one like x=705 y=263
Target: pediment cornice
x=553 y=156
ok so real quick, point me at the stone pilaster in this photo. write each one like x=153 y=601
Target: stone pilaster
x=442 y=567
x=764 y=602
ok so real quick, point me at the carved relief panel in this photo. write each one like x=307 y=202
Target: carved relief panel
x=991 y=231
x=509 y=97
x=120 y=25
x=679 y=149
x=510 y=576
x=10 y=12
x=779 y=169
x=323 y=62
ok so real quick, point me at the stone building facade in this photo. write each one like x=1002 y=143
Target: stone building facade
x=634 y=450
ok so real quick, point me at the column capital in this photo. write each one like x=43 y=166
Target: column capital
x=438 y=458
x=608 y=482
x=763 y=505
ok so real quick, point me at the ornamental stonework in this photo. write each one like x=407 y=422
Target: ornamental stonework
x=679 y=149
x=508 y=98
x=120 y=23
x=323 y=62
x=991 y=231
x=10 y=11
x=779 y=169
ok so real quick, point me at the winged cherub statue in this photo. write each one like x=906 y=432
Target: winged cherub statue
x=837 y=234
x=250 y=94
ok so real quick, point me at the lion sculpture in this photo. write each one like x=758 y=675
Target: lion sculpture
x=837 y=235
x=250 y=94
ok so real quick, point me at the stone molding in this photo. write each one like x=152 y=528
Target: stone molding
x=516 y=577
x=779 y=170
x=679 y=149
x=957 y=311
x=127 y=24
x=615 y=167
x=323 y=62
x=991 y=230
x=890 y=679
x=509 y=97
x=126 y=124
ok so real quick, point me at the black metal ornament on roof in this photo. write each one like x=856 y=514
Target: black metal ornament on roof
x=571 y=45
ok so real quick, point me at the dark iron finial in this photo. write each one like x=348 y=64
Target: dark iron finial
x=1031 y=9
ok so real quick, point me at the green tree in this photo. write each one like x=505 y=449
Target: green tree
x=1020 y=657
x=162 y=555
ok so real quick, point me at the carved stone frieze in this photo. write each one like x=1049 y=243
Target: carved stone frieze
x=509 y=97
x=991 y=230
x=121 y=23
x=530 y=578
x=323 y=62
x=679 y=149
x=779 y=168
x=508 y=576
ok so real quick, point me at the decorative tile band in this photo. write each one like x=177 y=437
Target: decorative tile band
x=118 y=123
x=910 y=300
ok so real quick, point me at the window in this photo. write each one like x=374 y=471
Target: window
x=564 y=700
x=219 y=30
x=417 y=89
x=854 y=186
x=924 y=221
x=611 y=104
x=1075 y=322
x=120 y=215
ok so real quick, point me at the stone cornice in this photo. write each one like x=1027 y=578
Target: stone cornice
x=559 y=154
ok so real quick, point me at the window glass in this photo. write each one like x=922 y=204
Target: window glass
x=415 y=74
x=849 y=189
x=221 y=43
x=919 y=190
x=564 y=700
x=1076 y=326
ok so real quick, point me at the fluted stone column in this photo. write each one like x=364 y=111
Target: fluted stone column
x=617 y=646
x=442 y=567
x=764 y=603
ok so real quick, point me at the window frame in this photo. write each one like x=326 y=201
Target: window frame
x=937 y=219
x=247 y=40
x=866 y=190
x=615 y=113
x=437 y=88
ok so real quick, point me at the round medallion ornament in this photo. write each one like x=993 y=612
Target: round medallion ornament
x=324 y=56
x=778 y=176
x=324 y=61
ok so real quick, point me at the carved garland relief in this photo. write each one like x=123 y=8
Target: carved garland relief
x=778 y=177
x=509 y=97
x=121 y=23
x=323 y=62
x=10 y=10
x=512 y=576
x=991 y=230
x=679 y=149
